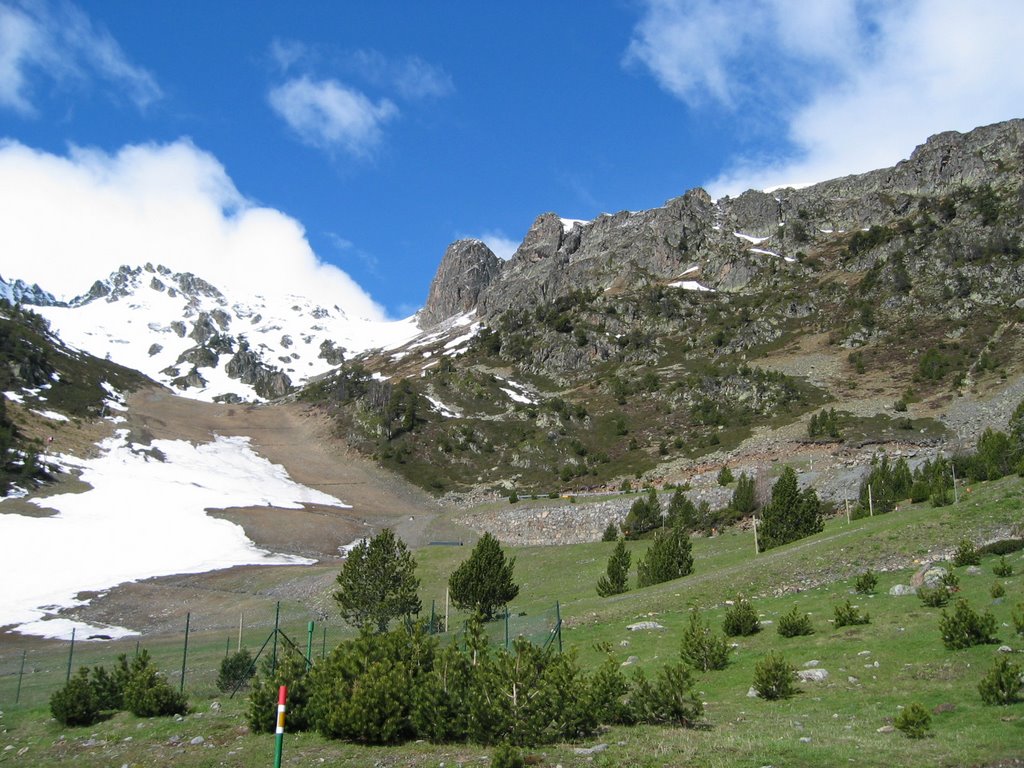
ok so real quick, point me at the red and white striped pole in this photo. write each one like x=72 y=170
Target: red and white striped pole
x=279 y=737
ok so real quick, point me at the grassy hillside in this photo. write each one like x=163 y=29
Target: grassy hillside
x=873 y=669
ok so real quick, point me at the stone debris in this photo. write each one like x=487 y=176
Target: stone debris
x=641 y=625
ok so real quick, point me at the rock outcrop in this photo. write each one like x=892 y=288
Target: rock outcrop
x=467 y=268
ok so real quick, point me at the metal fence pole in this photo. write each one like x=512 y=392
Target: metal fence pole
x=71 y=654
x=309 y=647
x=277 y=618
x=21 y=674
x=184 y=654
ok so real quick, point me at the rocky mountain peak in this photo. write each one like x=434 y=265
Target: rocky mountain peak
x=467 y=268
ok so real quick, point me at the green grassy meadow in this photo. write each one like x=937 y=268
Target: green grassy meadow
x=873 y=669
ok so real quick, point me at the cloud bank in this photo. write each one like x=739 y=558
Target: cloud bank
x=70 y=220
x=851 y=85
x=58 y=42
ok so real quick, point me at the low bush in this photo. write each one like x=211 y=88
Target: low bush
x=866 y=583
x=1018 y=619
x=774 y=678
x=670 y=700
x=507 y=756
x=1002 y=569
x=795 y=624
x=847 y=615
x=1002 y=684
x=148 y=694
x=914 y=721
x=1002 y=547
x=701 y=648
x=76 y=703
x=966 y=554
x=933 y=597
x=964 y=627
x=611 y=533
x=740 y=619
x=236 y=670
x=997 y=590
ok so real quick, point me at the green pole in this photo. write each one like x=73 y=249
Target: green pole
x=21 y=674
x=506 y=627
x=277 y=618
x=432 y=626
x=279 y=733
x=309 y=647
x=323 y=648
x=71 y=654
x=558 y=616
x=227 y=647
x=184 y=654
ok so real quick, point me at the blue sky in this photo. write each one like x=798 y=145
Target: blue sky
x=291 y=141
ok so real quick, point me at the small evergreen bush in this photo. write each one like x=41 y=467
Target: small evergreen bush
x=236 y=669
x=966 y=554
x=670 y=700
x=76 y=703
x=1002 y=569
x=950 y=581
x=794 y=624
x=1002 y=684
x=914 y=721
x=774 y=678
x=740 y=619
x=933 y=597
x=997 y=590
x=1002 y=547
x=507 y=756
x=148 y=694
x=701 y=648
x=616 y=578
x=847 y=615
x=725 y=476
x=866 y=583
x=964 y=627
x=1018 y=619
x=611 y=533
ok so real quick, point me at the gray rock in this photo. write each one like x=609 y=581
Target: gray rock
x=886 y=729
x=597 y=748
x=467 y=268
x=641 y=625
x=811 y=663
x=812 y=675
x=630 y=661
x=901 y=590
x=197 y=741
x=1005 y=649
x=972 y=570
x=752 y=693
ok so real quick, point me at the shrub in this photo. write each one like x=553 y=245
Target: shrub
x=236 y=669
x=847 y=615
x=1002 y=569
x=914 y=721
x=669 y=700
x=794 y=624
x=148 y=694
x=997 y=591
x=791 y=514
x=933 y=597
x=774 y=678
x=866 y=583
x=290 y=671
x=966 y=554
x=950 y=581
x=964 y=627
x=76 y=703
x=1002 y=684
x=725 y=476
x=507 y=756
x=109 y=686
x=701 y=649
x=483 y=581
x=615 y=581
x=606 y=694
x=1002 y=547
x=611 y=533
x=669 y=557
x=1018 y=619
x=740 y=619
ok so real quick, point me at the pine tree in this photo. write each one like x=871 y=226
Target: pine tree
x=670 y=557
x=378 y=583
x=484 y=581
x=744 y=497
x=791 y=514
x=644 y=516
x=681 y=511
x=616 y=580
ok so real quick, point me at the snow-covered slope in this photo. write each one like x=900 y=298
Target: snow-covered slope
x=184 y=332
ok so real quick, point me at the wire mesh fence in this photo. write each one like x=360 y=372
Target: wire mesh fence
x=31 y=670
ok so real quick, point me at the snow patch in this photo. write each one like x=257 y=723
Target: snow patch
x=443 y=409
x=61 y=629
x=691 y=285
x=751 y=239
x=52 y=415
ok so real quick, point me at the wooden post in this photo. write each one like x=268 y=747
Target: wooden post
x=956 y=495
x=871 y=503
x=239 y=630
x=446 y=596
x=757 y=548
x=846 y=500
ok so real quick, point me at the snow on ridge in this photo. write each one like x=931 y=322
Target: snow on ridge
x=763 y=252
x=751 y=239
x=443 y=409
x=113 y=538
x=691 y=285
x=51 y=415
x=568 y=224
x=690 y=270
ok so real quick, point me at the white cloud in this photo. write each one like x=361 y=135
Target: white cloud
x=69 y=220
x=852 y=86
x=328 y=115
x=411 y=76
x=40 y=41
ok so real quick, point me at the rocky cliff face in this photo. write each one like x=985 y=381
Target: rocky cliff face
x=725 y=245
x=467 y=268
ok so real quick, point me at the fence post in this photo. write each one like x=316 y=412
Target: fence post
x=309 y=647
x=184 y=654
x=506 y=627
x=21 y=674
x=71 y=654
x=323 y=648
x=279 y=732
x=277 y=617
x=558 y=616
